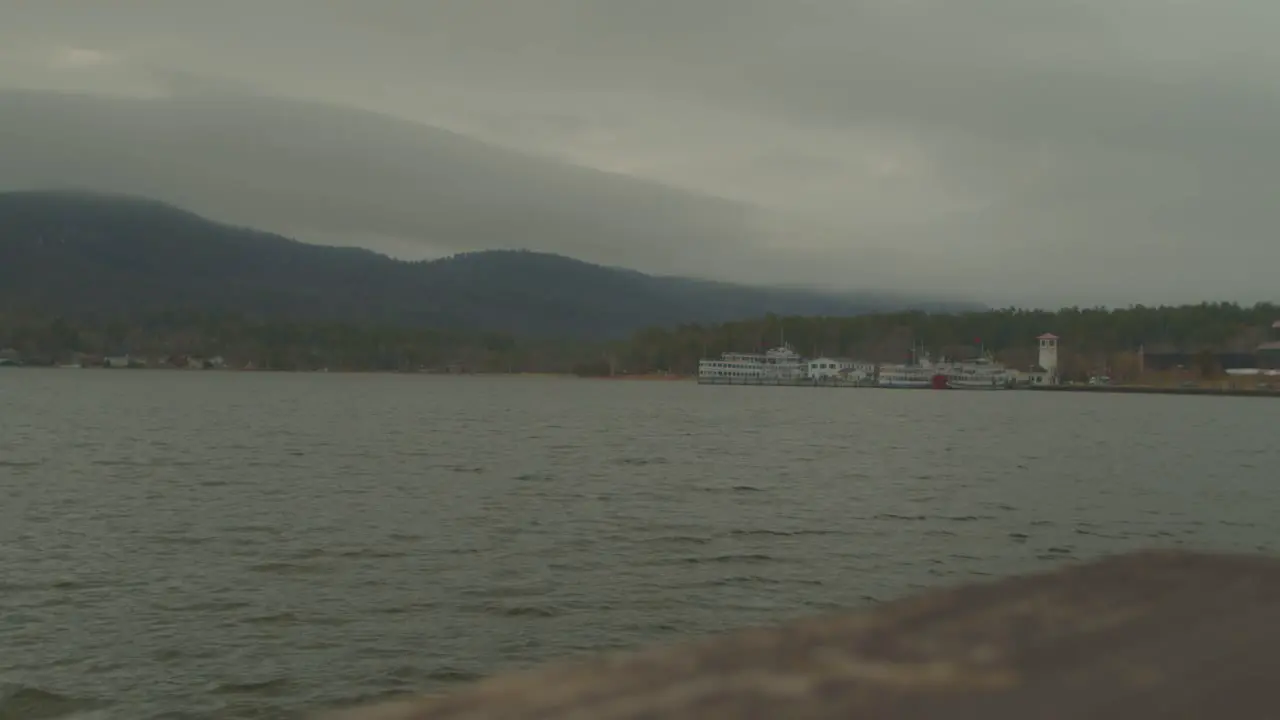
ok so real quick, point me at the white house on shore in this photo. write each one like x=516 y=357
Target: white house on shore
x=1046 y=370
x=825 y=369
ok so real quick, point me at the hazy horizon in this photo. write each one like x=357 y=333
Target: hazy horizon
x=997 y=151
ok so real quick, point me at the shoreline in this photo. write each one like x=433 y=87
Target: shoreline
x=1079 y=388
x=320 y=371
x=1158 y=390
x=638 y=378
x=850 y=664
x=332 y=371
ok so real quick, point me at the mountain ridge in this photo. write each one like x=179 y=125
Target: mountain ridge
x=80 y=252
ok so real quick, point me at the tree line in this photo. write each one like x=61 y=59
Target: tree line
x=271 y=344
x=1090 y=336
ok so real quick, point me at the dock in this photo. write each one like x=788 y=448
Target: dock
x=1076 y=388
x=1151 y=635
x=1159 y=390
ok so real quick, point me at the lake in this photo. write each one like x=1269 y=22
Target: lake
x=253 y=545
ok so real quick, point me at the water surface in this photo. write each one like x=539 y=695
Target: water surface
x=209 y=545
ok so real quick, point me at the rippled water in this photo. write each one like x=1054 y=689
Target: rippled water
x=199 y=545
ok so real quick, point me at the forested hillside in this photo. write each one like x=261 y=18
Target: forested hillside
x=88 y=256
x=103 y=275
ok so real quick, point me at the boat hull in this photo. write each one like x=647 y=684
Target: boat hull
x=975 y=386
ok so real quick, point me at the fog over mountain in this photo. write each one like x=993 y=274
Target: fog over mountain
x=346 y=177
x=1000 y=150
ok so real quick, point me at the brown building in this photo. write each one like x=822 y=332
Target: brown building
x=1269 y=356
x=1181 y=360
x=1268 y=353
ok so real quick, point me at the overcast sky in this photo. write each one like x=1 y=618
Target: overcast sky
x=1032 y=151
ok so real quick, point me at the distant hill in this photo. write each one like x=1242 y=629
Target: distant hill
x=338 y=175
x=80 y=254
x=341 y=176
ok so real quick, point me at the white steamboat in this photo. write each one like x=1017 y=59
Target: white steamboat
x=983 y=373
x=919 y=374
x=781 y=364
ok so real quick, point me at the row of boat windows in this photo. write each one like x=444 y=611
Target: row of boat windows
x=812 y=366
x=736 y=373
x=709 y=363
x=729 y=369
x=886 y=377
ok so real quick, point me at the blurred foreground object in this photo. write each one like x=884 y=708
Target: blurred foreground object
x=1165 y=635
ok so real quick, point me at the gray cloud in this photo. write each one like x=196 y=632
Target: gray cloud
x=1032 y=152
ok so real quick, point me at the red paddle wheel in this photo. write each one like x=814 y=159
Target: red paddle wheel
x=939 y=382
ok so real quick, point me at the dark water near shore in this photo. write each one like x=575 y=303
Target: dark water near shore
x=207 y=545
